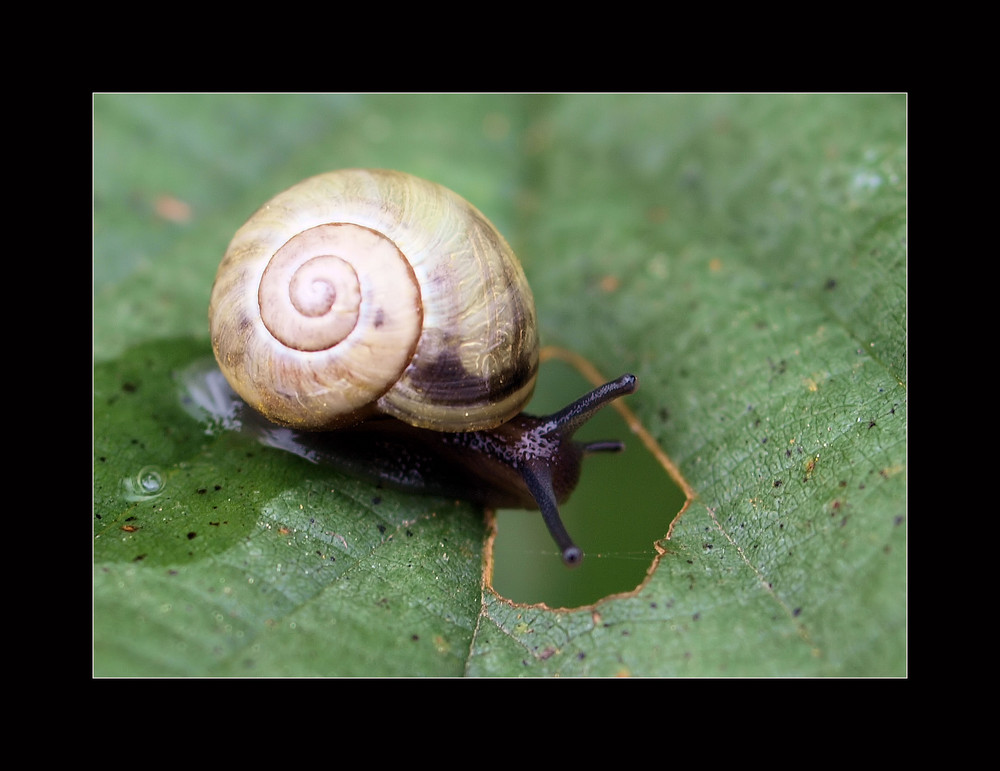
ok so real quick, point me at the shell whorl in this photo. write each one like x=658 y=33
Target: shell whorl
x=364 y=291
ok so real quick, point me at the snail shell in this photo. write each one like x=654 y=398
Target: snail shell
x=371 y=291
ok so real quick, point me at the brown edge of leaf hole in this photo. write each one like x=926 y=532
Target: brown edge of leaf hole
x=594 y=376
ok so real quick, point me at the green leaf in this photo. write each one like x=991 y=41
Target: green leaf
x=744 y=256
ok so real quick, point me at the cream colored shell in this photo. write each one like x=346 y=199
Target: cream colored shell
x=363 y=291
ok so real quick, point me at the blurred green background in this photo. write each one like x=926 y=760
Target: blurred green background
x=744 y=255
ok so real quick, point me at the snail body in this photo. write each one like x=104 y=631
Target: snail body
x=386 y=315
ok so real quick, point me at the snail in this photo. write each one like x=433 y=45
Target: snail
x=387 y=324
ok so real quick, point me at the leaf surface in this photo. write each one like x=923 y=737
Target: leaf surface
x=744 y=256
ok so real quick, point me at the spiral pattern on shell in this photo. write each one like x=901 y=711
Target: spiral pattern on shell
x=369 y=291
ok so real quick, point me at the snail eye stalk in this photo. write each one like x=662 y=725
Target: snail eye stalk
x=547 y=476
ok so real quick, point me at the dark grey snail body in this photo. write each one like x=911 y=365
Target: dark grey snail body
x=422 y=387
x=528 y=462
